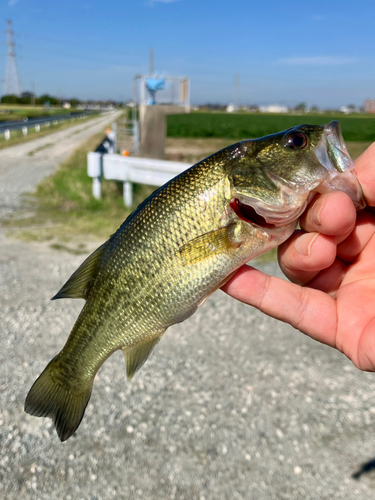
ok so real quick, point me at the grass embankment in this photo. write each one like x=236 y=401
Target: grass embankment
x=17 y=137
x=63 y=209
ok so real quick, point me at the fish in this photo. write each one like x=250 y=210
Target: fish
x=180 y=245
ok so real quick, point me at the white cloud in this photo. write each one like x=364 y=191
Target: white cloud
x=318 y=61
x=12 y=2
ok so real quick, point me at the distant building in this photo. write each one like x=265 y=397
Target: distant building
x=349 y=109
x=345 y=110
x=274 y=108
x=369 y=106
x=231 y=108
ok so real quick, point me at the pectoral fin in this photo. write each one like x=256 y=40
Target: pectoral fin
x=136 y=356
x=78 y=284
x=219 y=241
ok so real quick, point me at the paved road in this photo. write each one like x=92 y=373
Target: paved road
x=232 y=405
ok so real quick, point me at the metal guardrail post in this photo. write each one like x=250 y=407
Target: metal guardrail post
x=128 y=193
x=95 y=170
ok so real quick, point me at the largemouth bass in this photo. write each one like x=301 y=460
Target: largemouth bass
x=180 y=245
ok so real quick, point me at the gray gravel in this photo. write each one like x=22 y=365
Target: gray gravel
x=232 y=405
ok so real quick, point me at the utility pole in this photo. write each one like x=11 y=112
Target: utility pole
x=33 y=93
x=151 y=62
x=236 y=89
x=12 y=84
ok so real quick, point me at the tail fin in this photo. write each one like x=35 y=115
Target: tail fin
x=52 y=396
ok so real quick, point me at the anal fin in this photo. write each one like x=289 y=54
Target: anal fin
x=137 y=355
x=78 y=284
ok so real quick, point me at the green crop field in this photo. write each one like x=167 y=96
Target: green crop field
x=248 y=126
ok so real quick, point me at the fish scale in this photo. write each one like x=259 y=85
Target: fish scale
x=158 y=245
x=180 y=245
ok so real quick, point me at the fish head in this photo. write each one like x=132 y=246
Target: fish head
x=274 y=178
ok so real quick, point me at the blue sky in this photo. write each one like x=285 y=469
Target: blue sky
x=284 y=52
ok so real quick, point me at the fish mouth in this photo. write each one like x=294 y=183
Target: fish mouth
x=332 y=154
x=268 y=216
x=248 y=214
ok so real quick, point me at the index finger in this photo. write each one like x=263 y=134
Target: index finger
x=365 y=170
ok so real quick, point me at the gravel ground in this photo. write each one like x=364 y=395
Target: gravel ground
x=232 y=404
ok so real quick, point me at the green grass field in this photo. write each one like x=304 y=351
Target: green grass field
x=248 y=126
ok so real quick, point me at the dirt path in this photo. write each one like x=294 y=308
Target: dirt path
x=22 y=167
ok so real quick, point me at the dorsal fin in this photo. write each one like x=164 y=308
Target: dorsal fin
x=78 y=284
x=136 y=356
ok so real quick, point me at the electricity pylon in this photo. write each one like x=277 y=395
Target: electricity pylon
x=11 y=83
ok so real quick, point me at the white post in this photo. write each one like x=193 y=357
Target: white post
x=128 y=193
x=7 y=134
x=37 y=127
x=111 y=148
x=24 y=130
x=95 y=170
x=97 y=187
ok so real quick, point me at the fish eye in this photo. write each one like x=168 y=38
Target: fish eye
x=296 y=140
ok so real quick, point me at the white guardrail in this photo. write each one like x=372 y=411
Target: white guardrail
x=8 y=126
x=129 y=170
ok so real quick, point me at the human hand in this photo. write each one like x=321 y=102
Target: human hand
x=331 y=262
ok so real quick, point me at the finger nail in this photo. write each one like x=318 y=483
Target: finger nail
x=316 y=210
x=304 y=243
